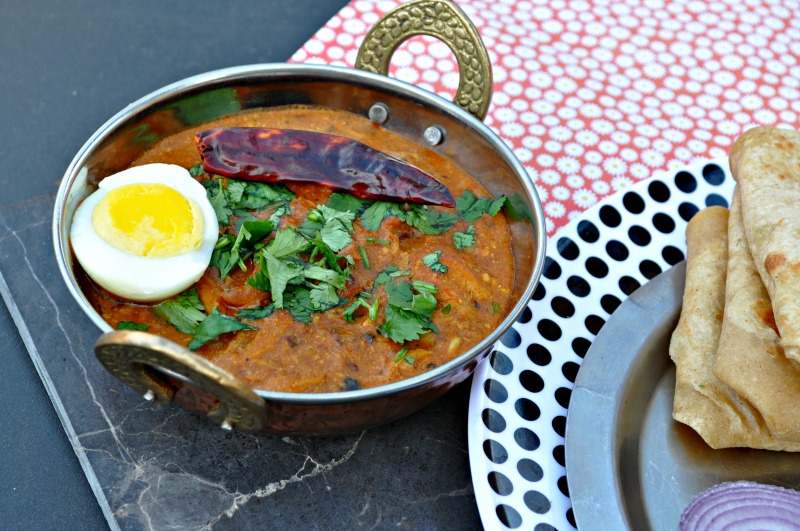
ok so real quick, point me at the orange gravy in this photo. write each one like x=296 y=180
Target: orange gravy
x=331 y=354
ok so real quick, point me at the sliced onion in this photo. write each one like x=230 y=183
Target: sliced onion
x=743 y=506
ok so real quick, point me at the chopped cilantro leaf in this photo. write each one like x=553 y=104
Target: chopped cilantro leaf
x=331 y=259
x=260 y=279
x=407 y=313
x=215 y=325
x=391 y=271
x=309 y=228
x=465 y=239
x=241 y=215
x=287 y=242
x=379 y=210
x=495 y=308
x=130 y=325
x=438 y=221
x=323 y=297
x=359 y=302
x=470 y=207
x=378 y=241
x=447 y=308
x=496 y=205
x=399 y=294
x=401 y=354
x=250 y=233
x=283 y=210
x=259 y=312
x=225 y=240
x=424 y=304
x=227 y=254
x=235 y=191
x=184 y=311
x=330 y=226
x=428 y=220
x=219 y=202
x=281 y=273
x=196 y=170
x=257 y=196
x=257 y=229
x=347 y=203
x=432 y=261
x=330 y=215
x=298 y=302
x=403 y=325
x=384 y=276
x=335 y=236
x=424 y=287
x=221 y=259
x=240 y=197
x=329 y=276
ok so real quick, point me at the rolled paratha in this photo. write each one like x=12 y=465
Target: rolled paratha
x=717 y=413
x=750 y=359
x=765 y=162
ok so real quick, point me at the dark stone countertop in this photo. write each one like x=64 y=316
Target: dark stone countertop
x=65 y=69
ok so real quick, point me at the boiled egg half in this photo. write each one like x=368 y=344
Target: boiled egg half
x=147 y=233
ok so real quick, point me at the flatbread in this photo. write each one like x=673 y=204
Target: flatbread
x=765 y=163
x=750 y=359
x=717 y=413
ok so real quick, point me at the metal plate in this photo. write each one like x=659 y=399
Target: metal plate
x=629 y=465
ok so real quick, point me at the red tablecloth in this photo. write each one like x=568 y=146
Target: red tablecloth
x=593 y=96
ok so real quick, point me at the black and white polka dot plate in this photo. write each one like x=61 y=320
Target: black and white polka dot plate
x=520 y=394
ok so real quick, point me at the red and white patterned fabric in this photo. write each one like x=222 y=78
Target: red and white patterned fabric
x=594 y=95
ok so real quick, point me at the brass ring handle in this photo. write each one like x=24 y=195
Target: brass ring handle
x=446 y=21
x=134 y=357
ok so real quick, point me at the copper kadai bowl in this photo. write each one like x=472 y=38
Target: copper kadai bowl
x=161 y=370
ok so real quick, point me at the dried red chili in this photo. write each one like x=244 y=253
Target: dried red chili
x=288 y=155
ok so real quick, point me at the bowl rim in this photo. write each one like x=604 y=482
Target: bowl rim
x=312 y=72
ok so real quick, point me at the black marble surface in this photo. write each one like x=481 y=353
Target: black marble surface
x=159 y=467
x=65 y=68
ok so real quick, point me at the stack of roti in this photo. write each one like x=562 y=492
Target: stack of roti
x=737 y=345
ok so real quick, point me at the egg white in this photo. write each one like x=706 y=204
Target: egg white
x=141 y=278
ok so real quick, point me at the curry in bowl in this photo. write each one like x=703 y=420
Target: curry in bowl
x=311 y=289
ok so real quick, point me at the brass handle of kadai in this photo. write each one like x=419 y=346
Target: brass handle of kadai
x=135 y=357
x=446 y=21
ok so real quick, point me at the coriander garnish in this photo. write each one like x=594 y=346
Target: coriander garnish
x=408 y=314
x=130 y=325
x=432 y=261
x=470 y=207
x=359 y=302
x=186 y=313
x=215 y=325
x=465 y=239
x=364 y=258
x=403 y=355
x=196 y=170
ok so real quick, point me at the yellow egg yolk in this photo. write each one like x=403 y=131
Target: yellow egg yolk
x=151 y=220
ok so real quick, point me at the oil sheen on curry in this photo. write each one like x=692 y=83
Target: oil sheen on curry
x=313 y=288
